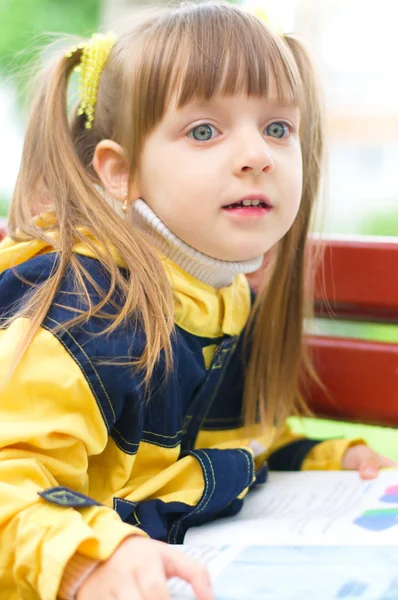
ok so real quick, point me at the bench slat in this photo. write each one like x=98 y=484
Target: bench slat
x=361 y=378
x=359 y=279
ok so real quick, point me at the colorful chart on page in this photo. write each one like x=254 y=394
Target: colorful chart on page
x=391 y=495
x=380 y=519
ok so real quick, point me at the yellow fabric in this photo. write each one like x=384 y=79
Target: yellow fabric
x=237 y=438
x=199 y=308
x=208 y=353
x=52 y=433
x=14 y=253
x=159 y=474
x=206 y=311
x=325 y=456
x=49 y=424
x=328 y=455
x=227 y=438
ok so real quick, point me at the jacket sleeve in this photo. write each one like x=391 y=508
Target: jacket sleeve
x=294 y=452
x=49 y=425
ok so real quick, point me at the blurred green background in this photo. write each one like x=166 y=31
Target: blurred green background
x=25 y=26
x=23 y=21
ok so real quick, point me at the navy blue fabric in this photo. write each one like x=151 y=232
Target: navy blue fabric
x=202 y=402
x=155 y=517
x=225 y=412
x=226 y=474
x=63 y=496
x=117 y=389
x=291 y=456
x=178 y=406
x=261 y=475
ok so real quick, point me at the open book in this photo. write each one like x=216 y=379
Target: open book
x=311 y=507
x=323 y=535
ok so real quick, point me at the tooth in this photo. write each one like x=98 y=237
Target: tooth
x=255 y=202
x=246 y=202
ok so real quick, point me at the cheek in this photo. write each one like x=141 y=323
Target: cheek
x=167 y=171
x=155 y=178
x=297 y=182
x=298 y=189
x=293 y=188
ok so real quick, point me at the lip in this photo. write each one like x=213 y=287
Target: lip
x=260 y=197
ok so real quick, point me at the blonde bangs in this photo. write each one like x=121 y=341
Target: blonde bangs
x=237 y=54
x=199 y=51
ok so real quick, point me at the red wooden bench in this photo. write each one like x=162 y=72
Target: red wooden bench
x=3 y=227
x=359 y=281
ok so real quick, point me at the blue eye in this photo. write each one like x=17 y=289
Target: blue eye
x=202 y=133
x=277 y=130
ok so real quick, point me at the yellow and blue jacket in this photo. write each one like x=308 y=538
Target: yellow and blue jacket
x=85 y=462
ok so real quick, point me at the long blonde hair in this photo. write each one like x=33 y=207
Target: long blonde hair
x=193 y=50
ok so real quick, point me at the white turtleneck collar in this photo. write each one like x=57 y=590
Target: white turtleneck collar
x=211 y=271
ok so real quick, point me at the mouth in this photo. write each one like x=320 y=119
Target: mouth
x=250 y=202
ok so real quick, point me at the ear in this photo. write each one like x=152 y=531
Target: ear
x=111 y=167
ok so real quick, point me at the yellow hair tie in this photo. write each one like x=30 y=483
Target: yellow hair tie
x=95 y=53
x=268 y=19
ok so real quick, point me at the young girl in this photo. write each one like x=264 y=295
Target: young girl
x=137 y=399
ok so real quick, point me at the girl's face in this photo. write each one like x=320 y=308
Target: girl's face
x=225 y=174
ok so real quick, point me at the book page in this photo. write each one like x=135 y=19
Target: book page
x=296 y=572
x=312 y=507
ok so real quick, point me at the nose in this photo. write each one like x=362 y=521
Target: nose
x=253 y=155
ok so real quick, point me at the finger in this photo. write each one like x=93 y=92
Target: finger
x=369 y=467
x=387 y=462
x=152 y=584
x=122 y=591
x=178 y=564
x=125 y=589
x=129 y=591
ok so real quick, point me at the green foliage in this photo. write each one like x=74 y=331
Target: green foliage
x=382 y=223
x=23 y=23
x=4 y=204
x=381 y=332
x=381 y=439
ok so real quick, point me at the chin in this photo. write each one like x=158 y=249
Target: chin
x=242 y=257
x=238 y=254
x=249 y=254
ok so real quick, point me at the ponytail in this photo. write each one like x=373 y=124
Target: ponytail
x=54 y=179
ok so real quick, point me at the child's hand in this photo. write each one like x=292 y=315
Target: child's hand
x=139 y=569
x=366 y=461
